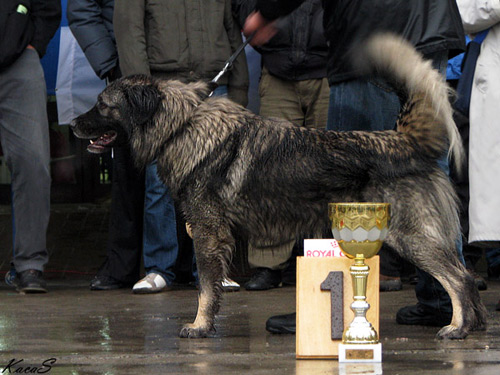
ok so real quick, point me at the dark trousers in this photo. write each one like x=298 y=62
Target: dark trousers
x=124 y=246
x=25 y=141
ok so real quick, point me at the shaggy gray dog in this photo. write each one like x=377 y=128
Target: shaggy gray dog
x=231 y=170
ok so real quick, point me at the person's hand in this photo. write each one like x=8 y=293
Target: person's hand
x=263 y=29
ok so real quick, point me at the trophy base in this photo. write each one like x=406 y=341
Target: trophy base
x=360 y=368
x=360 y=352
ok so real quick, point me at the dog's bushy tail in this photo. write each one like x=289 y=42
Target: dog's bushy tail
x=427 y=114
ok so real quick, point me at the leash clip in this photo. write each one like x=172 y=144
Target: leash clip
x=229 y=63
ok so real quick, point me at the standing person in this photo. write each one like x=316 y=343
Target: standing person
x=484 y=132
x=293 y=86
x=91 y=23
x=434 y=28
x=138 y=224
x=25 y=31
x=179 y=39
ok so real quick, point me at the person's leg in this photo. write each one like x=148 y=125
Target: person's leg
x=434 y=303
x=368 y=105
x=353 y=105
x=391 y=270
x=362 y=105
x=122 y=266
x=268 y=261
x=25 y=140
x=493 y=262
x=278 y=98
x=314 y=98
x=228 y=285
x=220 y=91
x=472 y=254
x=160 y=234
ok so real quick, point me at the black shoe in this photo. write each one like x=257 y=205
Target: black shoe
x=263 y=279
x=421 y=316
x=31 y=281
x=390 y=284
x=494 y=273
x=282 y=323
x=102 y=282
x=413 y=280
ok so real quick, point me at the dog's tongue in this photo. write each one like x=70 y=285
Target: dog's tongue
x=101 y=144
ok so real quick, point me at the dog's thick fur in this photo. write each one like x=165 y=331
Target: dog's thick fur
x=231 y=170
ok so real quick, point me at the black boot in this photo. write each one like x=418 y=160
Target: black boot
x=282 y=323
x=263 y=279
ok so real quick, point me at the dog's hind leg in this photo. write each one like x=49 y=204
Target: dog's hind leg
x=213 y=248
x=438 y=257
x=469 y=313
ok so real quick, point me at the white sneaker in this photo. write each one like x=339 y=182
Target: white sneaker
x=152 y=283
x=230 y=285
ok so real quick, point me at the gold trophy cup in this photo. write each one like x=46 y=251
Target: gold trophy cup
x=360 y=229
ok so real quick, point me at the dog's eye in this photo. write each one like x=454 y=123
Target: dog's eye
x=101 y=106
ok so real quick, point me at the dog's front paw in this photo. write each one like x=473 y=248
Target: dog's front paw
x=191 y=331
x=452 y=333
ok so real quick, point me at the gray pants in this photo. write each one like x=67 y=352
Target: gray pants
x=24 y=134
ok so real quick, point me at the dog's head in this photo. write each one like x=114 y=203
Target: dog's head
x=138 y=109
x=123 y=104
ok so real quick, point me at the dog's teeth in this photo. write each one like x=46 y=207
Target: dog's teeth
x=91 y=142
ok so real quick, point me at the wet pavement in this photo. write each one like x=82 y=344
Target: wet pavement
x=73 y=330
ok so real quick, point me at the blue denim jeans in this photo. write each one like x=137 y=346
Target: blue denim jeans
x=493 y=257
x=160 y=246
x=220 y=91
x=362 y=105
x=373 y=105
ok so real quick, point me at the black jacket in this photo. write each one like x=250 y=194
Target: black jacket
x=430 y=25
x=91 y=22
x=25 y=22
x=298 y=51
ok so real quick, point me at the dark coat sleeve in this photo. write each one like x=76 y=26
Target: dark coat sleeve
x=272 y=9
x=95 y=37
x=238 y=76
x=242 y=9
x=46 y=17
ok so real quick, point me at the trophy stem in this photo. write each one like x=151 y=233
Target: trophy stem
x=360 y=330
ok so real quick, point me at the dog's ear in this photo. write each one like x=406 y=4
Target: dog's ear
x=144 y=101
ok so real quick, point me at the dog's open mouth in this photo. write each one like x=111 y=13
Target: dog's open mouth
x=102 y=143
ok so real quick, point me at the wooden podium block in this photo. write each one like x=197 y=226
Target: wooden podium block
x=314 y=305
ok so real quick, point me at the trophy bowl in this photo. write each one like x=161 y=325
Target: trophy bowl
x=360 y=229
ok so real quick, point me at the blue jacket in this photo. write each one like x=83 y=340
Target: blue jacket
x=91 y=22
